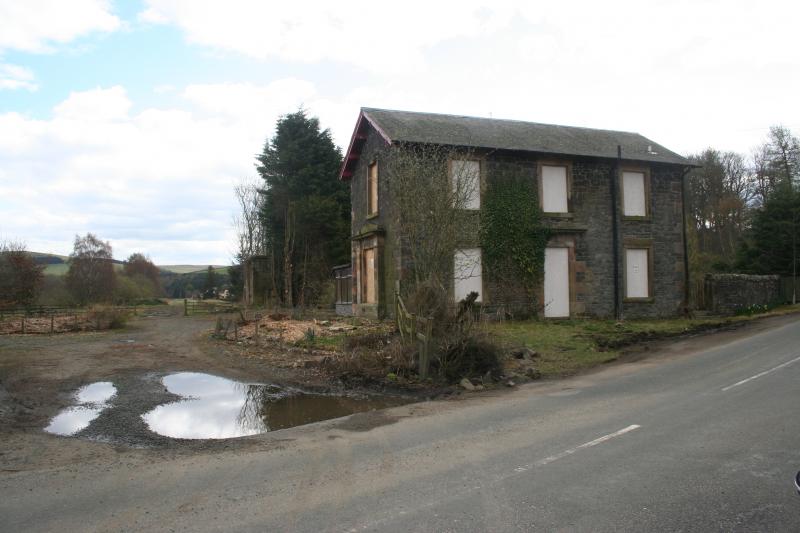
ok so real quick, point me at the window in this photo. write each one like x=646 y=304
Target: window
x=637 y=272
x=634 y=194
x=465 y=176
x=554 y=189
x=467 y=274
x=372 y=188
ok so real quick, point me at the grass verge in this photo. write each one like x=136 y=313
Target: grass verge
x=566 y=347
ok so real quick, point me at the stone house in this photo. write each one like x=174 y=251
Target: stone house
x=613 y=200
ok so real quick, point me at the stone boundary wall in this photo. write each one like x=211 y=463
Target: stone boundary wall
x=728 y=293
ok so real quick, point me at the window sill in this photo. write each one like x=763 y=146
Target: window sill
x=629 y=218
x=647 y=300
x=558 y=215
x=372 y=215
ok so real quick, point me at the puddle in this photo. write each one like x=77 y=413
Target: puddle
x=91 y=401
x=219 y=408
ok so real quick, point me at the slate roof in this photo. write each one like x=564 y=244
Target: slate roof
x=407 y=126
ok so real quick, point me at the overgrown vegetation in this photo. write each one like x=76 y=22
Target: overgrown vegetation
x=513 y=239
x=432 y=188
x=565 y=347
x=463 y=350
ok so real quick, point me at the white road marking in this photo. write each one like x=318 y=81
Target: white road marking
x=393 y=515
x=760 y=374
x=595 y=442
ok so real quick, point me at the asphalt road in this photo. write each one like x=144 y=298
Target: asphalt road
x=699 y=438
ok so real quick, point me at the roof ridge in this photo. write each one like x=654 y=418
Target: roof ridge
x=368 y=109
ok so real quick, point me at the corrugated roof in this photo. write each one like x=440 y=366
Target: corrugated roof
x=407 y=126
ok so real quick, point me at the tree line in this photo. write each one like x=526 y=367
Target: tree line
x=743 y=210
x=93 y=277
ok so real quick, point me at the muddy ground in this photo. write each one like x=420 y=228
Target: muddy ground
x=39 y=375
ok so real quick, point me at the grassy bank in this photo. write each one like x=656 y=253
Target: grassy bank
x=570 y=346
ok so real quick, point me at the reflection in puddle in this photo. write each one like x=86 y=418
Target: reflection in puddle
x=99 y=392
x=218 y=408
x=91 y=402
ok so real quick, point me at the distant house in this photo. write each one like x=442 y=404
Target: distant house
x=613 y=199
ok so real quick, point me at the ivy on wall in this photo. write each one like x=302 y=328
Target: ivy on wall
x=513 y=239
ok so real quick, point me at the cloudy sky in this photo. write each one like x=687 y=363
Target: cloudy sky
x=134 y=119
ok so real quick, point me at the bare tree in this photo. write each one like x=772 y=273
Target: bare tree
x=433 y=189
x=91 y=276
x=20 y=277
x=250 y=232
x=774 y=162
x=721 y=193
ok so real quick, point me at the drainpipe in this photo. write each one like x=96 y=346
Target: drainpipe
x=615 y=232
x=685 y=244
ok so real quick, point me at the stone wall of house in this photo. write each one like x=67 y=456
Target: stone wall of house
x=663 y=230
x=729 y=293
x=587 y=232
x=379 y=225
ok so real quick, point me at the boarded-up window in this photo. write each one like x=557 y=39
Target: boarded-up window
x=634 y=199
x=465 y=176
x=368 y=277
x=554 y=189
x=467 y=273
x=372 y=188
x=637 y=273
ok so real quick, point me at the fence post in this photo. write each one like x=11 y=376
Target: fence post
x=185 y=307
x=424 y=353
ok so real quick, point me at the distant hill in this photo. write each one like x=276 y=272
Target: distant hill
x=57 y=265
x=191 y=269
x=48 y=259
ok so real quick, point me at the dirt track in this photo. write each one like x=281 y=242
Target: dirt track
x=40 y=373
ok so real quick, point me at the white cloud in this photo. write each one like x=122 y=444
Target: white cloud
x=243 y=100
x=687 y=73
x=16 y=77
x=35 y=25
x=377 y=36
x=158 y=181
x=96 y=105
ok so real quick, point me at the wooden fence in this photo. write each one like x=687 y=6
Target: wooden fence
x=412 y=329
x=207 y=307
x=35 y=319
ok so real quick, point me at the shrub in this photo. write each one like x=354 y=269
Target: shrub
x=755 y=309
x=371 y=341
x=462 y=350
x=375 y=354
x=108 y=317
x=468 y=356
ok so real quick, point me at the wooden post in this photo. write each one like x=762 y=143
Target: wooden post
x=185 y=307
